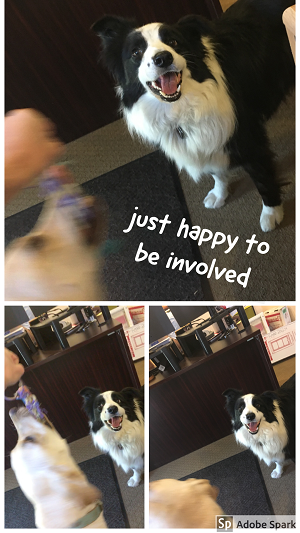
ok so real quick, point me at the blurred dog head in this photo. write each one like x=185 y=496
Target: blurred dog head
x=48 y=475
x=183 y=504
x=57 y=259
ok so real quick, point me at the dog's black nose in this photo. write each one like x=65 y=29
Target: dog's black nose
x=112 y=409
x=250 y=416
x=163 y=59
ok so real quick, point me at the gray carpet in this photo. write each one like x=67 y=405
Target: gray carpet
x=99 y=471
x=281 y=491
x=273 y=274
x=241 y=484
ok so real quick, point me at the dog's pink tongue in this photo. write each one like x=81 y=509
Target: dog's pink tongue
x=116 y=421
x=168 y=82
x=253 y=426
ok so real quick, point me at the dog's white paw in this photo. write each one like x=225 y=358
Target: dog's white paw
x=212 y=201
x=270 y=216
x=132 y=482
x=275 y=474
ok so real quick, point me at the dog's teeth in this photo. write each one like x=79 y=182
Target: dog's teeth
x=169 y=95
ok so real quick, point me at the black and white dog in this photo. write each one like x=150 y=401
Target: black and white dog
x=202 y=90
x=265 y=423
x=117 y=426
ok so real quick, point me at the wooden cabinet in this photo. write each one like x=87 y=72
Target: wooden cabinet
x=187 y=408
x=52 y=56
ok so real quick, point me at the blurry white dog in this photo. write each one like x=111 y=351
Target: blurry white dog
x=183 y=504
x=57 y=260
x=49 y=477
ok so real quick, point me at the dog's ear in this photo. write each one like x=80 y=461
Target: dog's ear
x=195 y=26
x=130 y=392
x=214 y=492
x=211 y=490
x=113 y=31
x=90 y=494
x=231 y=396
x=204 y=486
x=111 y=27
x=95 y=228
x=268 y=396
x=82 y=491
x=89 y=392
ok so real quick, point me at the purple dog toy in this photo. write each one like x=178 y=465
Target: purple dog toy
x=31 y=403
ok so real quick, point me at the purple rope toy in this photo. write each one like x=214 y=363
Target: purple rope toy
x=72 y=197
x=31 y=403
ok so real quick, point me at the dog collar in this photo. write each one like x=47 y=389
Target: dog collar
x=89 y=518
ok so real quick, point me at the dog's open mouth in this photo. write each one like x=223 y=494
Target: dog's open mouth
x=253 y=427
x=167 y=86
x=115 y=423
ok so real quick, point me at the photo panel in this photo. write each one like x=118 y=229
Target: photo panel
x=222 y=415
x=74 y=416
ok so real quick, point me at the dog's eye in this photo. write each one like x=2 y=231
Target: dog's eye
x=29 y=439
x=100 y=406
x=258 y=406
x=172 y=43
x=241 y=409
x=119 y=402
x=136 y=53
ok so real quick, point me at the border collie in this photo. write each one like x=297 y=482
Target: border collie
x=202 y=90
x=117 y=426
x=265 y=423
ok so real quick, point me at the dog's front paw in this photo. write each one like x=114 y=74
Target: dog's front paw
x=133 y=482
x=212 y=201
x=275 y=474
x=270 y=216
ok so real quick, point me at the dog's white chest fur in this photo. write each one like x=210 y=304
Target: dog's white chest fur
x=126 y=447
x=204 y=113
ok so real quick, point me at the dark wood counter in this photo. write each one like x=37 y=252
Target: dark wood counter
x=187 y=407
x=98 y=357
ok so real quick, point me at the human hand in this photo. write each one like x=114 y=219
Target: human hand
x=31 y=145
x=14 y=370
